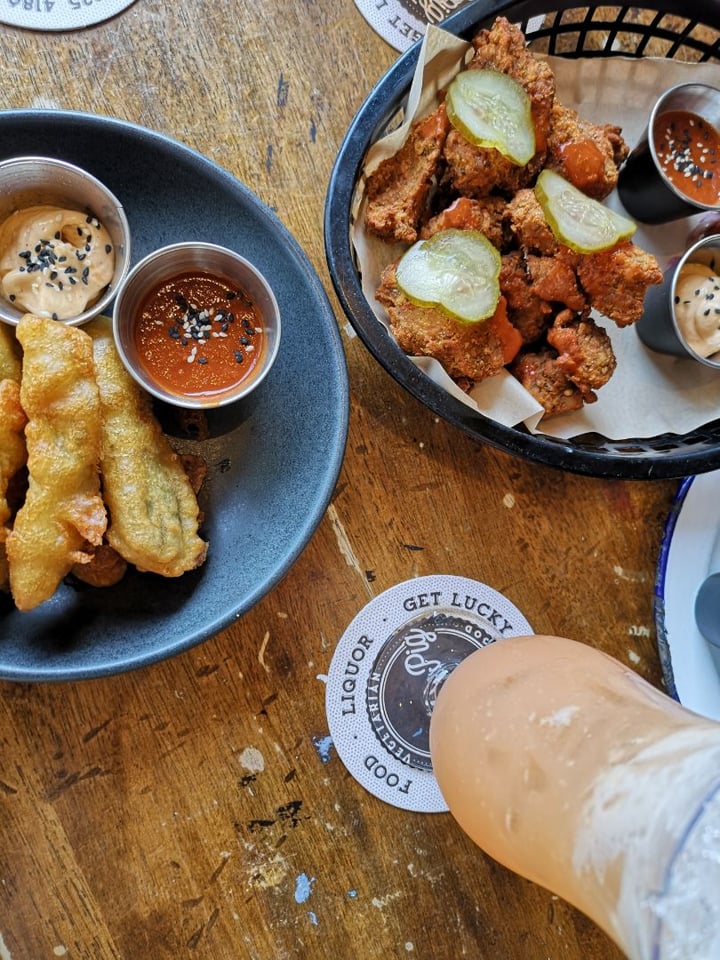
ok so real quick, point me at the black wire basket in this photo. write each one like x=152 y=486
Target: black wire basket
x=687 y=30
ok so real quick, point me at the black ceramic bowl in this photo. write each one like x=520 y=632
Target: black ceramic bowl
x=645 y=458
x=273 y=457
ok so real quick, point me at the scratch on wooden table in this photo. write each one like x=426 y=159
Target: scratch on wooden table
x=637 y=576
x=346 y=548
x=323 y=745
x=261 y=652
x=283 y=90
x=252 y=760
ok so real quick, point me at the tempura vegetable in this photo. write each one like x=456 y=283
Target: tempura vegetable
x=154 y=514
x=63 y=515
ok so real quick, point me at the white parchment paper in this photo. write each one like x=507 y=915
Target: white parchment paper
x=649 y=393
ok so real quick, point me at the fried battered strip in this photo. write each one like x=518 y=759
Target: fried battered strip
x=152 y=506
x=63 y=510
x=397 y=191
x=10 y=363
x=13 y=454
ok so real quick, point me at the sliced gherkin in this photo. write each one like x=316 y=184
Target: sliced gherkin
x=490 y=109
x=455 y=270
x=581 y=223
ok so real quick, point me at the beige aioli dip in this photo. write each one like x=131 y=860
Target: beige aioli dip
x=697 y=307
x=53 y=262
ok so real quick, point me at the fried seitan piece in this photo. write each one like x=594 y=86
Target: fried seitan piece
x=488 y=216
x=617 y=280
x=466 y=350
x=480 y=171
x=554 y=281
x=528 y=224
x=613 y=281
x=586 y=154
x=585 y=353
x=530 y=315
x=397 y=191
x=503 y=48
x=540 y=374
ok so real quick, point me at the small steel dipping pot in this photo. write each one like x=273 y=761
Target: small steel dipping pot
x=38 y=181
x=645 y=188
x=197 y=325
x=659 y=327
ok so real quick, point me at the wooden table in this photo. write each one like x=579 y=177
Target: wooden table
x=176 y=811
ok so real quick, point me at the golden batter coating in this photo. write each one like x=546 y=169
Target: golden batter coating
x=153 y=510
x=13 y=454
x=10 y=363
x=63 y=511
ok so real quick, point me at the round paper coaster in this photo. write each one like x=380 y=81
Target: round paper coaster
x=402 y=22
x=53 y=15
x=386 y=672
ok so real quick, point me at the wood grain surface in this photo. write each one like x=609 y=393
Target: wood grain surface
x=194 y=809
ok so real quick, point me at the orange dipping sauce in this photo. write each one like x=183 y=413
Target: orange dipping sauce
x=688 y=150
x=199 y=334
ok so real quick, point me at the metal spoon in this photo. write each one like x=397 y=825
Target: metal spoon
x=707 y=614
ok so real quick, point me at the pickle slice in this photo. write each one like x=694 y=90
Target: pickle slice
x=455 y=270
x=581 y=223
x=491 y=109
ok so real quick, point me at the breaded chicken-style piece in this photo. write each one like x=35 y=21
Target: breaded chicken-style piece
x=540 y=374
x=475 y=171
x=397 y=191
x=465 y=350
x=154 y=513
x=554 y=281
x=63 y=510
x=530 y=315
x=616 y=280
x=488 y=216
x=481 y=171
x=529 y=226
x=587 y=154
x=13 y=454
x=503 y=48
x=585 y=353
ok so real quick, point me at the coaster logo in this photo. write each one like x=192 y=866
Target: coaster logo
x=432 y=11
x=407 y=675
